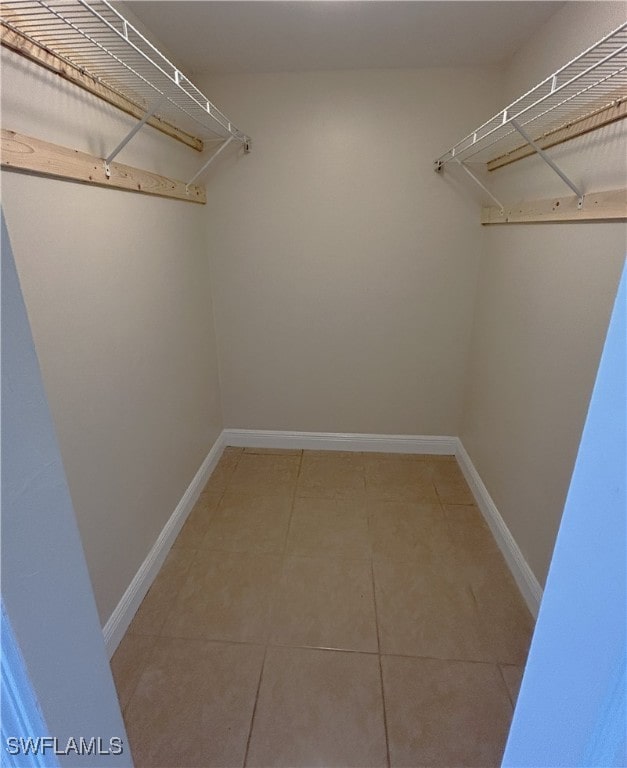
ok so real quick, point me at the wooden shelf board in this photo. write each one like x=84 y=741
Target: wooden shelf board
x=28 y=155
x=597 y=206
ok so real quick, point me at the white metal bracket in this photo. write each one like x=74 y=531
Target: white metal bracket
x=480 y=184
x=549 y=161
x=218 y=151
x=136 y=128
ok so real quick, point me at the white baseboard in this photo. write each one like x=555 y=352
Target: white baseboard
x=123 y=614
x=339 y=441
x=522 y=573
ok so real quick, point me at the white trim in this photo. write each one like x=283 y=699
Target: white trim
x=522 y=573
x=123 y=613
x=340 y=441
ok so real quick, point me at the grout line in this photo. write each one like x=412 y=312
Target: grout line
x=332 y=557
x=276 y=589
x=252 y=718
x=294 y=494
x=212 y=514
x=376 y=620
x=247 y=552
x=490 y=663
x=483 y=629
x=385 y=719
x=283 y=555
x=448 y=532
x=213 y=640
x=221 y=493
x=509 y=695
x=468 y=504
x=269 y=644
x=438 y=497
x=322 y=648
x=275 y=644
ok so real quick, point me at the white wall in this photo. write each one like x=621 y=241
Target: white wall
x=344 y=279
x=117 y=290
x=344 y=267
x=544 y=299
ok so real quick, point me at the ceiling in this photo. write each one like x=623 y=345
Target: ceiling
x=302 y=35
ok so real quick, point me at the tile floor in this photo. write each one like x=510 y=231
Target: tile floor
x=326 y=609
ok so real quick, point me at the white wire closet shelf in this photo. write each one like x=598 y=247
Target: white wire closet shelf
x=98 y=40
x=593 y=81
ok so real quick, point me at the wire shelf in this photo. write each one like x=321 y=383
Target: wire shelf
x=97 y=39
x=594 y=80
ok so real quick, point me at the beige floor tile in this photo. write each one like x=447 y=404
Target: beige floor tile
x=471 y=534
x=330 y=475
x=278 y=549
x=325 y=603
x=513 y=678
x=468 y=528
x=450 y=483
x=371 y=457
x=444 y=458
x=484 y=561
x=222 y=474
x=407 y=531
x=505 y=618
x=195 y=527
x=318 y=708
x=247 y=523
x=329 y=528
x=399 y=479
x=265 y=474
x=508 y=628
x=274 y=451
x=128 y=662
x=162 y=594
x=355 y=456
x=426 y=609
x=445 y=713
x=374 y=456
x=193 y=704
x=225 y=597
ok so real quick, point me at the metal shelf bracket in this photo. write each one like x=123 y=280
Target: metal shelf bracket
x=481 y=184
x=212 y=157
x=551 y=163
x=136 y=128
